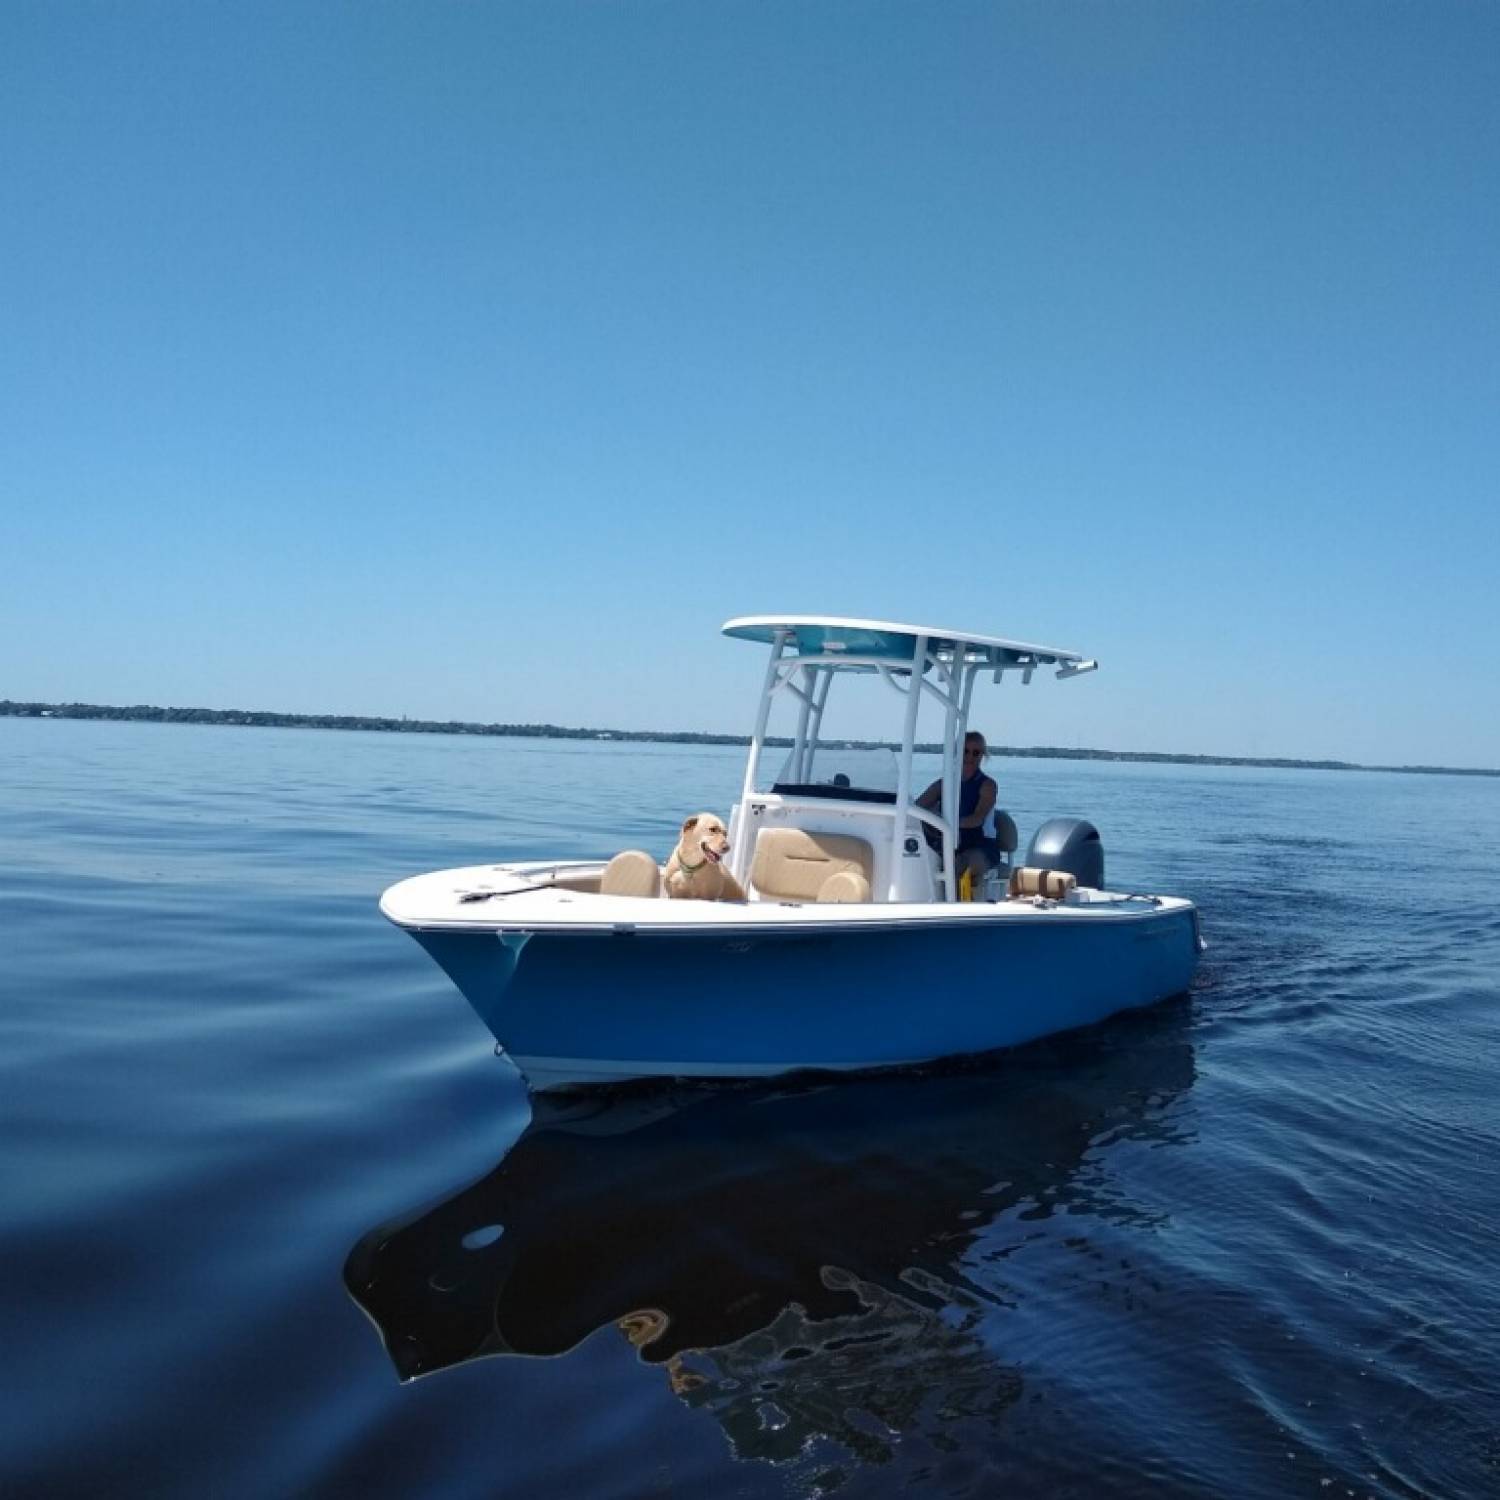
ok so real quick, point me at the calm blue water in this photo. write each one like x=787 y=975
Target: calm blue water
x=1244 y=1244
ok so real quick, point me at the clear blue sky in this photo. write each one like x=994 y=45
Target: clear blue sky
x=479 y=360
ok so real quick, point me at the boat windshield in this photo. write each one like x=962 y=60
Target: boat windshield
x=856 y=772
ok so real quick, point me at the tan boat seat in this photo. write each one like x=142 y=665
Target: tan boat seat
x=792 y=865
x=631 y=873
x=846 y=885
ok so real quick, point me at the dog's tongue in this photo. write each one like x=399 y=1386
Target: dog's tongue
x=711 y=854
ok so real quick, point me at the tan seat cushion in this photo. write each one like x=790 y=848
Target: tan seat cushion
x=791 y=865
x=1030 y=881
x=631 y=873
x=846 y=885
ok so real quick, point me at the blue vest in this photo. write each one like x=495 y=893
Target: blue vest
x=968 y=800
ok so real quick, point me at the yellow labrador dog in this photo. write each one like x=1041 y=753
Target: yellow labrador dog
x=695 y=871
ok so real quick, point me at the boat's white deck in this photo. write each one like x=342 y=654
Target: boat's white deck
x=521 y=897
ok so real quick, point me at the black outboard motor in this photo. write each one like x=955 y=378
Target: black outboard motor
x=1069 y=844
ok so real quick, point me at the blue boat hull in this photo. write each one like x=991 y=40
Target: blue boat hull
x=581 y=1008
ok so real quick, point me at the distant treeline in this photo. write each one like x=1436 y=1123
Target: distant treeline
x=147 y=713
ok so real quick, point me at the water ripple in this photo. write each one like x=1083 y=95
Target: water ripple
x=1241 y=1245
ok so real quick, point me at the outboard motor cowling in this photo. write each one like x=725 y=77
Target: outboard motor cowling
x=1070 y=844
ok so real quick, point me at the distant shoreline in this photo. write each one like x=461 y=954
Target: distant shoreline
x=148 y=714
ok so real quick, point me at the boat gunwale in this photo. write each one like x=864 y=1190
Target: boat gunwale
x=645 y=916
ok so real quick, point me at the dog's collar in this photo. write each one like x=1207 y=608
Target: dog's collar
x=691 y=868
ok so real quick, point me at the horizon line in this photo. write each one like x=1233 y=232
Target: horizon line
x=382 y=724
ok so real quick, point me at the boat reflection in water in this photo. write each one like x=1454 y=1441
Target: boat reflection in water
x=825 y=1261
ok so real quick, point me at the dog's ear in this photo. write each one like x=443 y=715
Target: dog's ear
x=686 y=827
